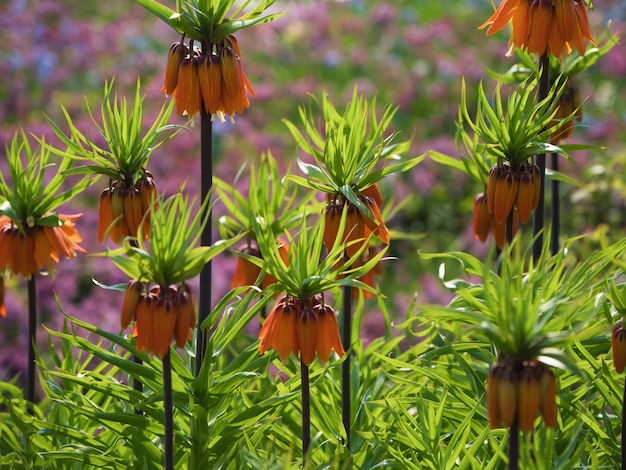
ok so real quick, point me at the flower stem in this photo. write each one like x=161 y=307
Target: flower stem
x=346 y=339
x=32 y=339
x=540 y=160
x=137 y=385
x=306 y=410
x=623 y=430
x=168 y=412
x=206 y=175
x=514 y=445
x=555 y=208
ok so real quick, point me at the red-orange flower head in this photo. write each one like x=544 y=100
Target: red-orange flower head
x=302 y=327
x=160 y=314
x=511 y=189
x=618 y=347
x=543 y=26
x=521 y=389
x=124 y=207
x=37 y=246
x=246 y=272
x=212 y=79
x=358 y=225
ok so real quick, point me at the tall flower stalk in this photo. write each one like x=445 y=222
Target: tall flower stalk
x=209 y=80
x=33 y=235
x=124 y=204
x=301 y=322
x=544 y=28
x=524 y=308
x=157 y=299
x=349 y=160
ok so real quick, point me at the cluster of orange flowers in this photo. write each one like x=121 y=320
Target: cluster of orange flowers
x=514 y=188
x=543 y=26
x=122 y=210
x=358 y=225
x=246 y=272
x=302 y=327
x=160 y=314
x=28 y=252
x=522 y=390
x=212 y=80
x=618 y=346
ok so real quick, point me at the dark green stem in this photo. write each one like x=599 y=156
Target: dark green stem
x=514 y=445
x=540 y=160
x=168 y=411
x=137 y=385
x=346 y=339
x=32 y=339
x=623 y=430
x=206 y=175
x=555 y=209
x=306 y=410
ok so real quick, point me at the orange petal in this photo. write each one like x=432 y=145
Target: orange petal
x=482 y=219
x=183 y=318
x=306 y=333
x=501 y=16
x=525 y=195
x=327 y=333
x=132 y=294
x=493 y=398
x=175 y=55
x=377 y=226
x=43 y=249
x=246 y=273
x=355 y=231
x=548 y=397
x=143 y=322
x=163 y=325
x=105 y=214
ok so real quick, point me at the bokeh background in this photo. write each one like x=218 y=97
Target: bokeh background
x=412 y=54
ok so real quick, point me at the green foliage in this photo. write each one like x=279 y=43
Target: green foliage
x=205 y=20
x=418 y=391
x=128 y=146
x=281 y=208
x=307 y=271
x=171 y=256
x=29 y=199
x=348 y=152
x=514 y=130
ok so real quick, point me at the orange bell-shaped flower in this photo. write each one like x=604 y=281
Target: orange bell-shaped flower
x=482 y=218
x=529 y=397
x=525 y=196
x=177 y=52
x=618 y=347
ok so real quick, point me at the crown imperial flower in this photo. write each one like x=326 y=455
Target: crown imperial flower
x=302 y=327
x=543 y=26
